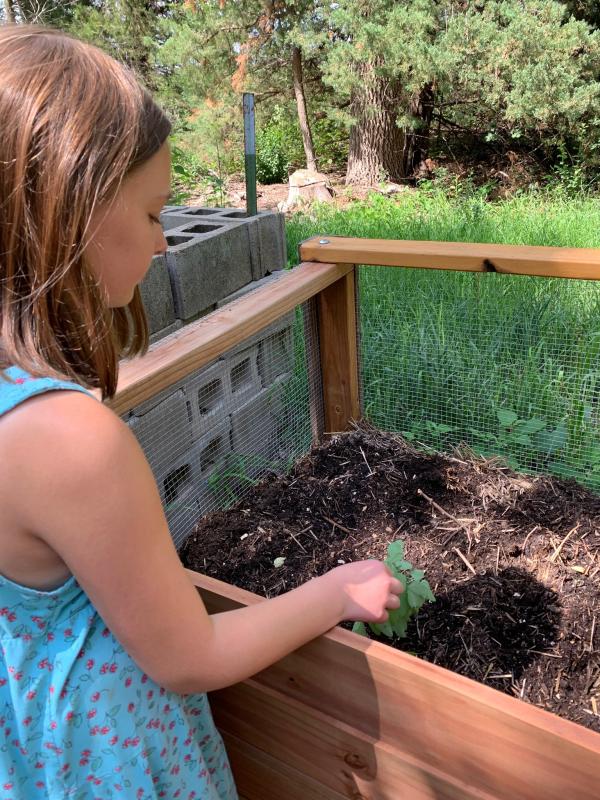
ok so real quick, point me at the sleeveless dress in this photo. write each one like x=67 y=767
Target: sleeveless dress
x=78 y=718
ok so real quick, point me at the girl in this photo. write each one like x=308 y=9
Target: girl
x=107 y=649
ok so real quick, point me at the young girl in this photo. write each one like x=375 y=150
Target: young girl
x=107 y=649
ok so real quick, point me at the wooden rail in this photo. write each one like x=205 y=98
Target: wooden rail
x=550 y=262
x=347 y=717
x=328 y=274
x=203 y=341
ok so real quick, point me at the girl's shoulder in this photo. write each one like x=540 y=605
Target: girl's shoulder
x=17 y=386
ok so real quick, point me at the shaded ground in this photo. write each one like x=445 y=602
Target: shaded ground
x=513 y=561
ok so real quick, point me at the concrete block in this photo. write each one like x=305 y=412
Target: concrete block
x=184 y=215
x=244 y=378
x=255 y=432
x=206 y=263
x=276 y=354
x=164 y=432
x=187 y=485
x=280 y=324
x=167 y=210
x=207 y=396
x=250 y=287
x=182 y=517
x=156 y=295
x=266 y=238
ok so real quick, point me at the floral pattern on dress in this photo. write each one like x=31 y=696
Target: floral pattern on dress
x=78 y=718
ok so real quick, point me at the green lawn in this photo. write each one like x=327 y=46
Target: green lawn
x=509 y=365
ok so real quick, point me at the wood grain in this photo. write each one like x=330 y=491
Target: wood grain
x=460 y=731
x=203 y=341
x=552 y=262
x=339 y=354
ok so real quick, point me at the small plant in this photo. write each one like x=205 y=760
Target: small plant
x=416 y=592
x=533 y=434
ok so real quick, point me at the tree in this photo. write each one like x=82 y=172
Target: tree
x=224 y=47
x=510 y=70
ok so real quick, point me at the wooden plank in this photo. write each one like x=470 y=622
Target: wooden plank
x=200 y=342
x=328 y=751
x=260 y=776
x=339 y=356
x=552 y=262
x=494 y=743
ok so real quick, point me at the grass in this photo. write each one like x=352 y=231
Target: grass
x=506 y=364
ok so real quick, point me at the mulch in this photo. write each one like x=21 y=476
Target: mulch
x=513 y=560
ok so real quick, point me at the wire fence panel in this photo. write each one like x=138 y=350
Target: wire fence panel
x=221 y=429
x=508 y=365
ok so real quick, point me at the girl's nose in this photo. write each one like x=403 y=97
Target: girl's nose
x=161 y=244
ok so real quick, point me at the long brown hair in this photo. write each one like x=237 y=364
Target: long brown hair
x=73 y=123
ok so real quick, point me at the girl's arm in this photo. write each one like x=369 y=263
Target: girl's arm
x=79 y=481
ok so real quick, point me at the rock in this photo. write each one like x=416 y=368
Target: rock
x=306 y=185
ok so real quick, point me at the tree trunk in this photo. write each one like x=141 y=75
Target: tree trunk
x=307 y=140
x=9 y=11
x=416 y=140
x=376 y=141
x=379 y=149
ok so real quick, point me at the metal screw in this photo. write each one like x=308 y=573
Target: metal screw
x=323 y=241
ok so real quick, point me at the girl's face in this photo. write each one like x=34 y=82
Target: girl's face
x=126 y=232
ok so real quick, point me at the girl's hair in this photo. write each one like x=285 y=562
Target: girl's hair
x=73 y=123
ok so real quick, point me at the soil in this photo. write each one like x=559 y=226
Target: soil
x=513 y=560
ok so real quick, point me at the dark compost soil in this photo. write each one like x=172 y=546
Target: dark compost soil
x=513 y=560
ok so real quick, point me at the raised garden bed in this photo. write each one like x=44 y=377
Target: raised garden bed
x=513 y=561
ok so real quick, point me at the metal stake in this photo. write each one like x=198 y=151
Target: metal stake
x=249 y=154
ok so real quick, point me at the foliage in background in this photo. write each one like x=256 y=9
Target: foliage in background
x=482 y=78
x=509 y=365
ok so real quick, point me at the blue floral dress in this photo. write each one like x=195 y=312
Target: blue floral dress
x=78 y=718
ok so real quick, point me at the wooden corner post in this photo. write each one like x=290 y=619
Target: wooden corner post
x=339 y=353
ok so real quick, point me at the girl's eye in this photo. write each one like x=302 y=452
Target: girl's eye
x=154 y=219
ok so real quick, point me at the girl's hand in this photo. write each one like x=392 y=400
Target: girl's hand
x=368 y=590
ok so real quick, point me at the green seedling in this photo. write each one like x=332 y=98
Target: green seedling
x=416 y=592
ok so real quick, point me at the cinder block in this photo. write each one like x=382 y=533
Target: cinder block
x=244 y=378
x=164 y=432
x=276 y=354
x=206 y=263
x=280 y=324
x=266 y=238
x=250 y=287
x=207 y=396
x=182 y=516
x=255 y=432
x=157 y=296
x=184 y=215
x=187 y=485
x=165 y=214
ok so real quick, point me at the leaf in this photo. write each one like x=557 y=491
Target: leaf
x=396 y=550
x=113 y=711
x=399 y=622
x=418 y=593
x=382 y=629
x=360 y=628
x=279 y=562
x=506 y=418
x=551 y=441
x=521 y=438
x=533 y=425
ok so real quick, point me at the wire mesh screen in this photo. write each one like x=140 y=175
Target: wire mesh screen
x=507 y=365
x=247 y=415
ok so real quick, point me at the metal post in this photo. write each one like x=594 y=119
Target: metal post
x=249 y=153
